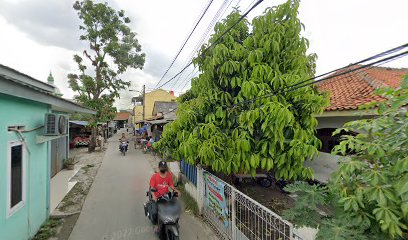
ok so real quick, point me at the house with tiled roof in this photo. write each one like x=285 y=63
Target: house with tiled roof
x=347 y=93
x=350 y=91
x=122 y=118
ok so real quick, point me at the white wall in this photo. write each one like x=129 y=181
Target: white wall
x=337 y=122
x=323 y=166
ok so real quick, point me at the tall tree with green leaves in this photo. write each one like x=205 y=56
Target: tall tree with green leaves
x=112 y=49
x=272 y=133
x=367 y=197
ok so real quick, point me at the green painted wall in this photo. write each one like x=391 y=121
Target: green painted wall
x=24 y=223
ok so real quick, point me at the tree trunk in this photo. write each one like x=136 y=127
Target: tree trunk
x=92 y=141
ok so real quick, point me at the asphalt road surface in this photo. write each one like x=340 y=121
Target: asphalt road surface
x=113 y=209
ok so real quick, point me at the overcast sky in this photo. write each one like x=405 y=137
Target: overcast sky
x=39 y=36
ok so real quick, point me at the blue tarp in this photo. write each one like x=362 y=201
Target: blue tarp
x=144 y=128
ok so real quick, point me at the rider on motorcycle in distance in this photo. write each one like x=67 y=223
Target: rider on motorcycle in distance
x=123 y=139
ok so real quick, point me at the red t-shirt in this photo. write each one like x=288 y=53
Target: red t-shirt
x=161 y=184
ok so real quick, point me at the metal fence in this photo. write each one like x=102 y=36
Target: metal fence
x=190 y=171
x=234 y=215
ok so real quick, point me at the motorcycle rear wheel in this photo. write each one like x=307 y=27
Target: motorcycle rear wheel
x=170 y=236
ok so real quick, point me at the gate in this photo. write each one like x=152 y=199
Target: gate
x=234 y=215
x=58 y=154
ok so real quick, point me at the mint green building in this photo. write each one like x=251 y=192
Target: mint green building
x=25 y=150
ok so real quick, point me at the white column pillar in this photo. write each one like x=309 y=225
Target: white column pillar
x=233 y=215
x=200 y=189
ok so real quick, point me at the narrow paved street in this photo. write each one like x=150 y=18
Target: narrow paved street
x=113 y=209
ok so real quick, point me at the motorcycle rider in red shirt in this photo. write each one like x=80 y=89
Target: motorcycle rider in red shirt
x=162 y=181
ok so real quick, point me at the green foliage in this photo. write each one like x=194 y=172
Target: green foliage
x=370 y=188
x=270 y=133
x=309 y=198
x=48 y=229
x=80 y=116
x=113 y=48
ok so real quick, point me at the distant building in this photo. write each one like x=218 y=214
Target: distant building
x=122 y=119
x=50 y=81
x=166 y=110
x=28 y=157
x=151 y=98
x=163 y=113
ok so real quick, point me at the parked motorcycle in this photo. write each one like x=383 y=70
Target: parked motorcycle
x=123 y=147
x=168 y=214
x=148 y=149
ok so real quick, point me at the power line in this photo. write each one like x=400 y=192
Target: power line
x=187 y=79
x=249 y=5
x=357 y=63
x=297 y=86
x=344 y=74
x=210 y=26
x=185 y=42
x=392 y=58
x=186 y=82
x=216 y=41
x=236 y=5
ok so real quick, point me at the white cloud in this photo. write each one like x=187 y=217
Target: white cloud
x=39 y=36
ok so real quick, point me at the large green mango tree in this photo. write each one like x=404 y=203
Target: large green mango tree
x=226 y=123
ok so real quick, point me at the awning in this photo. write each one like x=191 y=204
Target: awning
x=155 y=122
x=82 y=123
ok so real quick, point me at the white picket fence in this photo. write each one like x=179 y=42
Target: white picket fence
x=234 y=215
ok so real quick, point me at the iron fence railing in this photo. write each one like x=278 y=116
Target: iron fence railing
x=190 y=171
x=242 y=217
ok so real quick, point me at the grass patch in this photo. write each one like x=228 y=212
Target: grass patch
x=87 y=167
x=69 y=199
x=48 y=229
x=188 y=200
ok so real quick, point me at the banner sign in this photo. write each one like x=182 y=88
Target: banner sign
x=215 y=197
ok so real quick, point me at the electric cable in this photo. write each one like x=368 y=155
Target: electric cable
x=187 y=79
x=185 y=42
x=344 y=74
x=216 y=41
x=297 y=86
x=203 y=38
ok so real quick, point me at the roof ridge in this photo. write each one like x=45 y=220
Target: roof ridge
x=390 y=68
x=372 y=81
x=23 y=74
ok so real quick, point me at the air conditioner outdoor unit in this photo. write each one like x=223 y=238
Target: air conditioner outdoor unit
x=55 y=124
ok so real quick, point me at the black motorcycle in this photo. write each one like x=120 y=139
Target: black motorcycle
x=168 y=214
x=123 y=147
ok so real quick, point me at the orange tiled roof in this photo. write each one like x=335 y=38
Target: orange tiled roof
x=349 y=91
x=121 y=116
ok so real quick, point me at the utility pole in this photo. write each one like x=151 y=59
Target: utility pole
x=144 y=100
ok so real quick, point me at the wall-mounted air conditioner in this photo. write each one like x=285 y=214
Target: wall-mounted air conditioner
x=55 y=124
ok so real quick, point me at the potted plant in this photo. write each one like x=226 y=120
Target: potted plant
x=69 y=163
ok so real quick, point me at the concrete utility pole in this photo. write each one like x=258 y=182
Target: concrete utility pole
x=144 y=100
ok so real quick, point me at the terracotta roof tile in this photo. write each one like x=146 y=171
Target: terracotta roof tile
x=121 y=116
x=354 y=89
